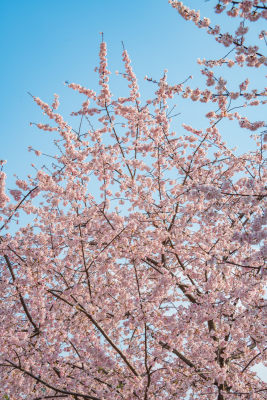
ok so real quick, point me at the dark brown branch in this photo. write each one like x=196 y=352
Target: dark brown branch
x=50 y=397
x=89 y=316
x=240 y=265
x=248 y=364
x=25 y=308
x=183 y=358
x=182 y=287
x=17 y=207
x=63 y=391
x=117 y=139
x=108 y=339
x=152 y=266
x=84 y=264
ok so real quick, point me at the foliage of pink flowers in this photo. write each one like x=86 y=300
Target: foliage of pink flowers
x=3 y=196
x=140 y=273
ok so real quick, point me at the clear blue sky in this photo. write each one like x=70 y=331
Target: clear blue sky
x=44 y=43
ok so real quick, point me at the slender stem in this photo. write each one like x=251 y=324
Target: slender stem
x=25 y=308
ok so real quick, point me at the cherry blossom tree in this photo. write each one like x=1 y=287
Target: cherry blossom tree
x=140 y=272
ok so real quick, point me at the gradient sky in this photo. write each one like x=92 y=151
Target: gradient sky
x=45 y=43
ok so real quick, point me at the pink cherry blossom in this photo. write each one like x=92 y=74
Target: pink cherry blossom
x=133 y=259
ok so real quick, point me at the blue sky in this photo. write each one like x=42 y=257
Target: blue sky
x=44 y=43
